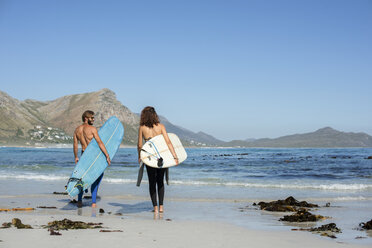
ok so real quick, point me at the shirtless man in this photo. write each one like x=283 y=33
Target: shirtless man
x=84 y=134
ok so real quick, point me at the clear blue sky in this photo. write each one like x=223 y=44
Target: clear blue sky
x=233 y=69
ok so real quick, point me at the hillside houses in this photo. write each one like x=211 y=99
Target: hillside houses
x=49 y=134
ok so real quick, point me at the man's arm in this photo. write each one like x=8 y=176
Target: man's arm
x=76 y=146
x=101 y=145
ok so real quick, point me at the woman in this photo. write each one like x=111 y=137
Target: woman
x=150 y=127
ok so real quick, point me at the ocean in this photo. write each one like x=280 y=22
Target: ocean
x=342 y=173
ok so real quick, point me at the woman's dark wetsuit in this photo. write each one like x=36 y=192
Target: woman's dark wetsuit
x=156 y=177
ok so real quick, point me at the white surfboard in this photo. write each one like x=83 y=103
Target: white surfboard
x=156 y=148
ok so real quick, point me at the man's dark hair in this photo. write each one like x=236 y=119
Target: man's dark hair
x=149 y=118
x=87 y=114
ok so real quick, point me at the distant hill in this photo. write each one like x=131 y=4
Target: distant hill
x=197 y=139
x=31 y=121
x=20 y=118
x=324 y=137
x=63 y=113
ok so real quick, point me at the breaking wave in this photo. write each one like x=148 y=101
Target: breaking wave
x=211 y=183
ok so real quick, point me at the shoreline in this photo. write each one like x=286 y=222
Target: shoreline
x=70 y=146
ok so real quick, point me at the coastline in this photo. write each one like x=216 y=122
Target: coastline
x=54 y=146
x=66 y=145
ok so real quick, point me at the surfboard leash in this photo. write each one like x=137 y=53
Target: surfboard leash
x=155 y=148
x=160 y=159
x=79 y=183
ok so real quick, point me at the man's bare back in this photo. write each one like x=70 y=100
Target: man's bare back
x=84 y=134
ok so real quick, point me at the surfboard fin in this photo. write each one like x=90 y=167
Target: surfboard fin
x=160 y=162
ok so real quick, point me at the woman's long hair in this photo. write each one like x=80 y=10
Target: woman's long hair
x=149 y=118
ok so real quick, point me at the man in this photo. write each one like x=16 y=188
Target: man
x=84 y=134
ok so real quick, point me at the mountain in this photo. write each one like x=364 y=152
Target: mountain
x=324 y=137
x=32 y=121
x=191 y=138
x=19 y=118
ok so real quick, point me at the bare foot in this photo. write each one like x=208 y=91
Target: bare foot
x=94 y=205
x=161 y=209
x=156 y=209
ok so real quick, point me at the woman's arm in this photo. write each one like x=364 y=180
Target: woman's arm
x=139 y=143
x=169 y=143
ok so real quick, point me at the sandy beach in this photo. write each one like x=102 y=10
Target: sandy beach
x=154 y=233
x=187 y=222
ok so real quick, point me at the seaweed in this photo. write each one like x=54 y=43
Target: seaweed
x=288 y=205
x=327 y=230
x=52 y=232
x=110 y=231
x=59 y=193
x=6 y=225
x=302 y=215
x=366 y=225
x=18 y=223
x=66 y=224
x=331 y=227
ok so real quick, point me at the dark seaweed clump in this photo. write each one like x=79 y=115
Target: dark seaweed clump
x=6 y=225
x=52 y=232
x=59 y=193
x=110 y=231
x=331 y=227
x=327 y=230
x=16 y=223
x=366 y=225
x=302 y=215
x=66 y=224
x=288 y=205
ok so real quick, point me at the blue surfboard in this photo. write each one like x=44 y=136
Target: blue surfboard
x=93 y=162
